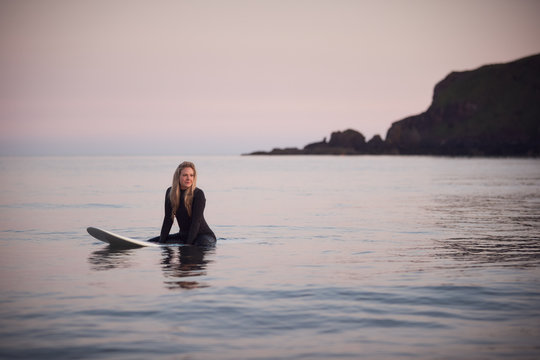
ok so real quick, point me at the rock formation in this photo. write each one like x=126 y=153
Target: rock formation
x=491 y=111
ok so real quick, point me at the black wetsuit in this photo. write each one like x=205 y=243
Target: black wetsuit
x=193 y=229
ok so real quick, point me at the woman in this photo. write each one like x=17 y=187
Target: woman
x=185 y=202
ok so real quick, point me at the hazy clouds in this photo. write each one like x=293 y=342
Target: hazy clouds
x=198 y=77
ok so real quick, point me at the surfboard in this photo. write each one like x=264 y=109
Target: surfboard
x=118 y=241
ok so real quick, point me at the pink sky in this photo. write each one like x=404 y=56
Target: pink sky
x=229 y=77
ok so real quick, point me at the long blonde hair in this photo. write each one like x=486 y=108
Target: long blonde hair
x=174 y=196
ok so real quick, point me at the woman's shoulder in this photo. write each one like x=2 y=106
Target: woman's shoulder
x=198 y=192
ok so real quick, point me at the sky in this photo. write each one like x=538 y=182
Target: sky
x=211 y=77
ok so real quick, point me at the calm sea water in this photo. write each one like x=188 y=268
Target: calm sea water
x=317 y=258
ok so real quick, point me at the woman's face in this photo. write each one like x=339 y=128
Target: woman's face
x=186 y=178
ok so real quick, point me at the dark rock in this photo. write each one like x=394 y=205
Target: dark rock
x=348 y=142
x=348 y=139
x=493 y=110
x=286 y=151
x=377 y=146
x=316 y=147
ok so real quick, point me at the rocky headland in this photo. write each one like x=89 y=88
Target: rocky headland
x=490 y=111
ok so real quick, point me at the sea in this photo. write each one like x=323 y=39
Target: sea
x=318 y=257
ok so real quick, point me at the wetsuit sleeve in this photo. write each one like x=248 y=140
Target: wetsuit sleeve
x=167 y=219
x=197 y=212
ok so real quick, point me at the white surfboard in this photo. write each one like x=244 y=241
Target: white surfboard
x=118 y=241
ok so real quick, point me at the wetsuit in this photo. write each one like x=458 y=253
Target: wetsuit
x=193 y=229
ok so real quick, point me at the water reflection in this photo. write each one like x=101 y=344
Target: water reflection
x=110 y=258
x=179 y=263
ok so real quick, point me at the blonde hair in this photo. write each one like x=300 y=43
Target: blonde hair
x=174 y=196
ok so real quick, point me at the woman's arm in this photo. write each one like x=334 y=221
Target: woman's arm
x=197 y=211
x=167 y=218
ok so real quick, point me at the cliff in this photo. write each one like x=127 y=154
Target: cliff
x=491 y=111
